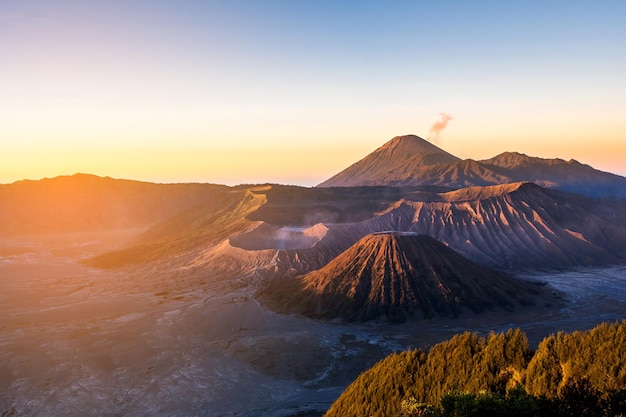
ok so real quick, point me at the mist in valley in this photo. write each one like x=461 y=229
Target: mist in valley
x=150 y=341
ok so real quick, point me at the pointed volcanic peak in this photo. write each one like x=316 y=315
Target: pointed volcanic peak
x=571 y=176
x=408 y=161
x=414 y=146
x=396 y=275
x=392 y=163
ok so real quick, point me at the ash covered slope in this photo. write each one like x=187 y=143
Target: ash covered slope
x=392 y=164
x=396 y=275
x=509 y=226
x=523 y=225
x=412 y=161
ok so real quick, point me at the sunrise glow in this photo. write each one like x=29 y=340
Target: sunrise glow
x=293 y=92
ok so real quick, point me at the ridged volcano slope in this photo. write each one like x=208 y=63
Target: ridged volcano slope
x=411 y=161
x=396 y=275
x=394 y=163
x=510 y=227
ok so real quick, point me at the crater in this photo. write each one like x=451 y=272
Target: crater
x=395 y=233
x=269 y=236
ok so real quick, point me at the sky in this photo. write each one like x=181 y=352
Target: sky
x=293 y=92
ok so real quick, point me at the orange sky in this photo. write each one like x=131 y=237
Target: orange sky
x=237 y=92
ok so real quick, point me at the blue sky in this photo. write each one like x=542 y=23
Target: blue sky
x=294 y=91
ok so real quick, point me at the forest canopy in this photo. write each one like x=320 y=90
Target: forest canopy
x=581 y=373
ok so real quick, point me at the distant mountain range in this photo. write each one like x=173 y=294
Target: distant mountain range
x=286 y=230
x=412 y=161
x=296 y=230
x=83 y=202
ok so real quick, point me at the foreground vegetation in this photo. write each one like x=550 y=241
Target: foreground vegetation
x=570 y=374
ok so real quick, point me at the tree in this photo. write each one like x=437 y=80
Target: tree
x=459 y=404
x=579 y=398
x=413 y=408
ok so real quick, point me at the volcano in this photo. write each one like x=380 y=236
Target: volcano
x=394 y=276
x=407 y=161
x=393 y=163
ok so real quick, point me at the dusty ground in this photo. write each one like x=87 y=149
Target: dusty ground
x=78 y=341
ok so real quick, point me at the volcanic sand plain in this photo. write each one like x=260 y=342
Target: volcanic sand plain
x=155 y=341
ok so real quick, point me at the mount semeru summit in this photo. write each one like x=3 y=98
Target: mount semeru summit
x=412 y=161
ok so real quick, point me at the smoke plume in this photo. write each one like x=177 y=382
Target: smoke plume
x=438 y=127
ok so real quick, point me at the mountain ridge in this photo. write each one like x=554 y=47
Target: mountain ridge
x=408 y=161
x=513 y=226
x=85 y=202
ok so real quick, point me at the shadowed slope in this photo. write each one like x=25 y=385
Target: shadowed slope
x=395 y=275
x=571 y=176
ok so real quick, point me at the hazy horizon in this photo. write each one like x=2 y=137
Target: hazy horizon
x=294 y=92
x=303 y=182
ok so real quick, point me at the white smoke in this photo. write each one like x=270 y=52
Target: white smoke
x=438 y=127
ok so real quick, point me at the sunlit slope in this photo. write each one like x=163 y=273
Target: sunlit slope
x=397 y=275
x=412 y=161
x=521 y=225
x=89 y=203
x=192 y=230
